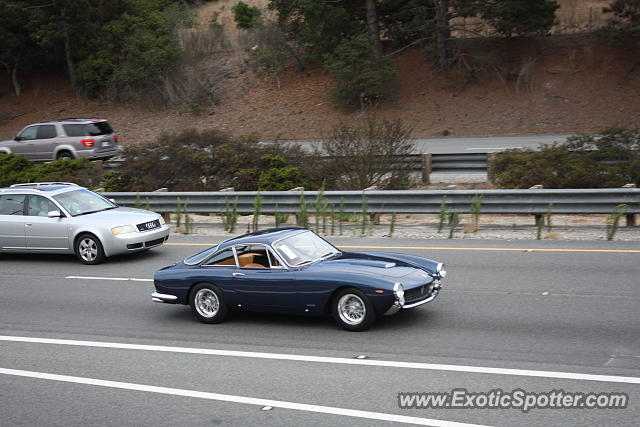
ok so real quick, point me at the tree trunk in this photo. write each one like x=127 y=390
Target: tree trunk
x=14 y=78
x=443 y=34
x=373 y=29
x=67 y=52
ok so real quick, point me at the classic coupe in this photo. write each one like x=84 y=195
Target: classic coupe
x=295 y=271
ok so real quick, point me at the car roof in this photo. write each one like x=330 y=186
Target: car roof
x=265 y=236
x=40 y=187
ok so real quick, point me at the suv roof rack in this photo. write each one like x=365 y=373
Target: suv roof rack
x=40 y=184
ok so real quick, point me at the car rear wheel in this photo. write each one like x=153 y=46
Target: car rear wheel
x=207 y=303
x=352 y=310
x=89 y=250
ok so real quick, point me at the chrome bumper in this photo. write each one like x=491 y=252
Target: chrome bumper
x=157 y=297
x=396 y=306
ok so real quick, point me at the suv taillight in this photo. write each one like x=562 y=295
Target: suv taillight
x=88 y=142
x=115 y=138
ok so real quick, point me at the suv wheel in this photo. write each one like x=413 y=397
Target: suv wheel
x=64 y=155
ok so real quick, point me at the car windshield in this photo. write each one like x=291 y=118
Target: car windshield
x=82 y=202
x=304 y=248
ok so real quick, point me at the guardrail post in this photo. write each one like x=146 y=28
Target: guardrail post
x=427 y=167
x=631 y=220
x=166 y=216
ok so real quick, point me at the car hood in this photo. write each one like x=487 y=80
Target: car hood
x=122 y=216
x=351 y=262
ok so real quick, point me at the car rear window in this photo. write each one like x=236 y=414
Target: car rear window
x=92 y=129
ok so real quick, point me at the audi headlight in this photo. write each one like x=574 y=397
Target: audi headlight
x=398 y=292
x=123 y=229
x=161 y=219
x=441 y=271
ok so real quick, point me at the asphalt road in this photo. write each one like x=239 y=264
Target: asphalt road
x=470 y=144
x=537 y=316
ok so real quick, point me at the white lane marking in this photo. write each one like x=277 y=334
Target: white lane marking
x=336 y=360
x=238 y=399
x=121 y=279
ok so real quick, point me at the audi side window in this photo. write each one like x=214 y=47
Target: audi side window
x=40 y=206
x=12 y=204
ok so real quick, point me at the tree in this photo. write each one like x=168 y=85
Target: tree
x=16 y=43
x=358 y=76
x=513 y=17
x=245 y=16
x=268 y=52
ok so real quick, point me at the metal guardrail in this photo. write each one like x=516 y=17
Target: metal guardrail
x=581 y=201
x=421 y=163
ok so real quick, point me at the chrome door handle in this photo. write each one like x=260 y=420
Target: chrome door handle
x=237 y=274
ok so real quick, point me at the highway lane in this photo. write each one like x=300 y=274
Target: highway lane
x=554 y=311
x=468 y=144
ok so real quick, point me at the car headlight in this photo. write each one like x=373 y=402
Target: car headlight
x=441 y=271
x=161 y=219
x=123 y=229
x=398 y=291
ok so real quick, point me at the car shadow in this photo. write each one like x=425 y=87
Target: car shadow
x=71 y=259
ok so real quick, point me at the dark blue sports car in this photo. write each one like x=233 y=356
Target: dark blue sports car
x=295 y=271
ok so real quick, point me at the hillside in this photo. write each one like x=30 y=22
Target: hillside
x=575 y=84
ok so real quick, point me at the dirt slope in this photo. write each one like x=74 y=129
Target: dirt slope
x=575 y=85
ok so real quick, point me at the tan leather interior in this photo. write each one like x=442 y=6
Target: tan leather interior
x=245 y=260
x=228 y=261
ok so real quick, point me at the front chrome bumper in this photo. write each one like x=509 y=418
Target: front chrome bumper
x=166 y=298
x=397 y=307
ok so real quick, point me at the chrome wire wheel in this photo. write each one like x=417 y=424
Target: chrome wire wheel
x=88 y=249
x=206 y=303
x=351 y=309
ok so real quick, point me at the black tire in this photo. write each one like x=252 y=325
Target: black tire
x=207 y=303
x=88 y=249
x=64 y=155
x=352 y=310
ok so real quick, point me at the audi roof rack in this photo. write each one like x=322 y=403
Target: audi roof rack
x=40 y=184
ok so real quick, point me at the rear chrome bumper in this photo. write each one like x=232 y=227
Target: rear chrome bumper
x=166 y=298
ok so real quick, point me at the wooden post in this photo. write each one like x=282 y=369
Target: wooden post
x=631 y=220
x=427 y=168
x=166 y=216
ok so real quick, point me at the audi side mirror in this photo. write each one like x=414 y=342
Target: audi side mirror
x=54 y=214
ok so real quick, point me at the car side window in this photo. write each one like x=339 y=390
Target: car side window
x=252 y=256
x=40 y=206
x=12 y=204
x=273 y=260
x=46 y=132
x=29 y=133
x=223 y=258
x=74 y=130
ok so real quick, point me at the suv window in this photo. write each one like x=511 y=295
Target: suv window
x=40 y=206
x=29 y=133
x=91 y=129
x=46 y=132
x=99 y=128
x=12 y=204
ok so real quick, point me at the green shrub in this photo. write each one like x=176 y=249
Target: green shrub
x=608 y=159
x=246 y=16
x=17 y=169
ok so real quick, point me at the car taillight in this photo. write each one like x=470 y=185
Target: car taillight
x=88 y=142
x=115 y=138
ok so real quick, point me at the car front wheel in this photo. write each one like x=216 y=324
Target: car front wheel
x=89 y=249
x=352 y=310
x=207 y=303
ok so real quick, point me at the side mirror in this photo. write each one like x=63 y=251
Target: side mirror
x=113 y=201
x=17 y=138
x=54 y=214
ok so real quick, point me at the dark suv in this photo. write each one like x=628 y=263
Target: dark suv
x=66 y=138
